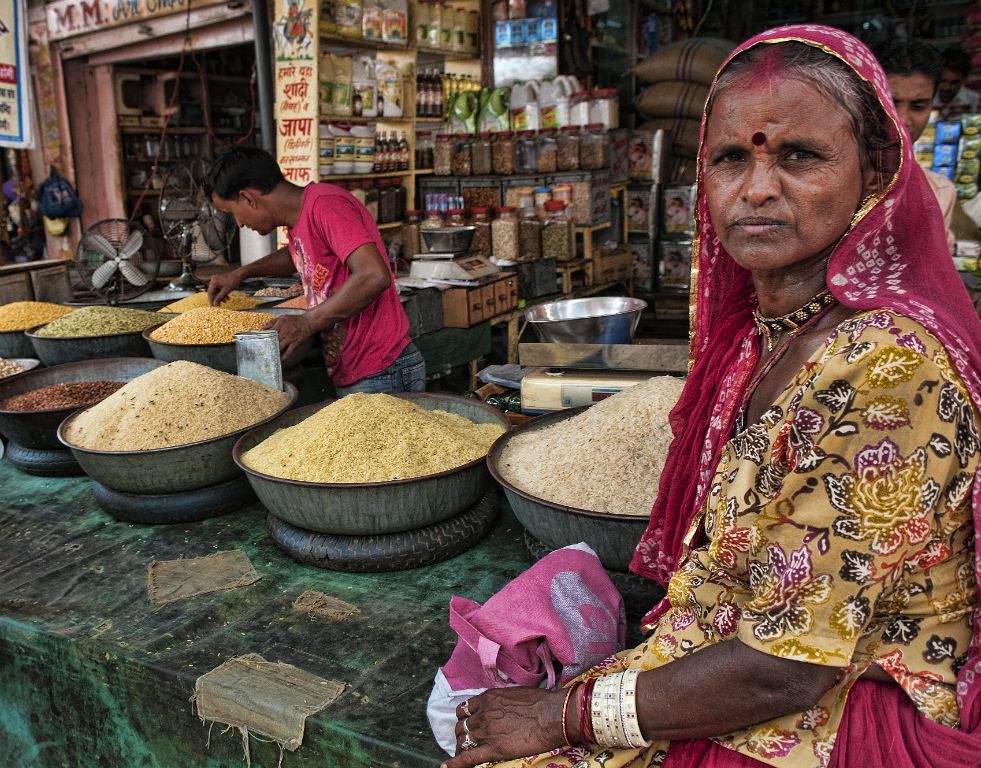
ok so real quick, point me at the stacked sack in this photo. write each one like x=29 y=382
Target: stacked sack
x=677 y=79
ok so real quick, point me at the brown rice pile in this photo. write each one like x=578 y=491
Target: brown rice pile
x=209 y=325
x=234 y=301
x=176 y=404
x=366 y=438
x=607 y=459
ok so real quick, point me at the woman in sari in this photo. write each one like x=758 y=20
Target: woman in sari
x=816 y=517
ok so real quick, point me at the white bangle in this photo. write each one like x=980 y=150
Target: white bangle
x=628 y=711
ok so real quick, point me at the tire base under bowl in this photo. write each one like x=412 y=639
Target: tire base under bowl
x=390 y=551
x=45 y=462
x=182 y=507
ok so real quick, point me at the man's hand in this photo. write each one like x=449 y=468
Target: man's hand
x=293 y=330
x=221 y=285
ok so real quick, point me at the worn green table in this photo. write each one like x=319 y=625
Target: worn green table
x=92 y=674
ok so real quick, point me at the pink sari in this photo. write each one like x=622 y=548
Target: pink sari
x=893 y=257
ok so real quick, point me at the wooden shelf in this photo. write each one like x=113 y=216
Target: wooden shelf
x=389 y=225
x=338 y=41
x=448 y=55
x=357 y=176
x=359 y=120
x=595 y=227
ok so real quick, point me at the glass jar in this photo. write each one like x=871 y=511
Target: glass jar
x=424 y=150
x=529 y=236
x=557 y=233
x=594 y=149
x=410 y=234
x=604 y=108
x=503 y=160
x=548 y=152
x=579 y=108
x=456 y=217
x=480 y=220
x=433 y=220
x=388 y=204
x=568 y=148
x=526 y=152
x=483 y=162
x=443 y=155
x=371 y=199
x=542 y=196
x=460 y=162
x=504 y=236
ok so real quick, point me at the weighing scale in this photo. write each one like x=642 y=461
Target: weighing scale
x=464 y=266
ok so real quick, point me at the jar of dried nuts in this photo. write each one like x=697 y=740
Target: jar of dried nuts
x=503 y=159
x=568 y=143
x=483 y=163
x=547 y=152
x=504 y=235
x=461 y=162
x=443 y=155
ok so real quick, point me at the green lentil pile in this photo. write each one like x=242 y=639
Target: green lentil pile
x=100 y=321
x=21 y=315
x=365 y=438
x=176 y=404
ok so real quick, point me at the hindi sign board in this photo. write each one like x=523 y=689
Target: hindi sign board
x=15 y=82
x=297 y=123
x=67 y=18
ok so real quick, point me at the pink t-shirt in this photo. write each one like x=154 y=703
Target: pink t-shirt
x=331 y=225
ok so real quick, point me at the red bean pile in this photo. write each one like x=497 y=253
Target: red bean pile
x=71 y=395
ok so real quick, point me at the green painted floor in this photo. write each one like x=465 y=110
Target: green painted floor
x=92 y=674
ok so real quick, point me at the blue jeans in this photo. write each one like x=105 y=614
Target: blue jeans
x=406 y=374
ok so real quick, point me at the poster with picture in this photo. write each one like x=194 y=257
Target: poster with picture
x=674 y=265
x=644 y=271
x=641 y=209
x=677 y=210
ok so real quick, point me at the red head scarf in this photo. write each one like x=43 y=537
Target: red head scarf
x=894 y=256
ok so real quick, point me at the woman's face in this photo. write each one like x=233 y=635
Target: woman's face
x=782 y=173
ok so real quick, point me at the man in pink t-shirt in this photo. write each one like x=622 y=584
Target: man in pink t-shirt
x=336 y=248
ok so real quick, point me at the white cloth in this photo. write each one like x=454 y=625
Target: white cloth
x=965 y=100
x=946 y=194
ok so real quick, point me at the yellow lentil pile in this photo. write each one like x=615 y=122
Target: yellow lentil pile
x=21 y=315
x=365 y=438
x=99 y=321
x=209 y=325
x=235 y=300
x=175 y=404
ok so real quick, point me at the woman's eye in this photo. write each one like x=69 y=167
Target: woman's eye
x=730 y=156
x=801 y=154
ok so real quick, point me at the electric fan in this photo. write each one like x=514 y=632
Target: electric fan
x=117 y=259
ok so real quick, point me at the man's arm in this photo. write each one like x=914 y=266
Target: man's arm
x=279 y=263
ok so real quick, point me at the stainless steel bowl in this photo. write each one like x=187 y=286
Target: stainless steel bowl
x=448 y=239
x=372 y=508
x=613 y=537
x=58 y=350
x=165 y=470
x=221 y=357
x=596 y=320
x=15 y=344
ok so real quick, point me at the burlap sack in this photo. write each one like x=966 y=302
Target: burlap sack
x=672 y=98
x=695 y=60
x=682 y=130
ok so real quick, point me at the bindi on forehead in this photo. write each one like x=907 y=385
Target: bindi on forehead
x=759 y=139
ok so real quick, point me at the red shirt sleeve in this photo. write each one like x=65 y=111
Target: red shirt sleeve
x=344 y=224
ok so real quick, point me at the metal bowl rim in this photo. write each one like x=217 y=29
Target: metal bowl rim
x=292 y=391
x=540 y=422
x=25 y=330
x=81 y=338
x=210 y=345
x=641 y=305
x=80 y=364
x=316 y=407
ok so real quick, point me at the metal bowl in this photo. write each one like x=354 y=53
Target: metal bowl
x=26 y=364
x=58 y=350
x=16 y=344
x=613 y=537
x=352 y=509
x=165 y=470
x=448 y=239
x=39 y=429
x=596 y=320
x=221 y=357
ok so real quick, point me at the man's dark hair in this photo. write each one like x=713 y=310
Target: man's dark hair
x=909 y=57
x=956 y=58
x=241 y=168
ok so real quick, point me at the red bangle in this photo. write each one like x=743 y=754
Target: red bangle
x=585 y=715
x=565 y=713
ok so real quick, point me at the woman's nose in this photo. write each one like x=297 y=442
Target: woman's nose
x=760 y=183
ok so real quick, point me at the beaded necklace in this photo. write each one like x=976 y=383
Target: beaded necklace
x=771 y=327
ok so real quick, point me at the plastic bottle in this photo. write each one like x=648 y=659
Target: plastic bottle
x=554 y=101
x=524 y=107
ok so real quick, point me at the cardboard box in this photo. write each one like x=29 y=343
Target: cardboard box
x=612 y=266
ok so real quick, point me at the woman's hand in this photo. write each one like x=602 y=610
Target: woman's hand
x=505 y=723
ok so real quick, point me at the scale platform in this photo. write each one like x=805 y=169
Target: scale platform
x=452 y=266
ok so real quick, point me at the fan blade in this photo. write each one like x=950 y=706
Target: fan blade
x=93 y=241
x=104 y=273
x=133 y=275
x=132 y=245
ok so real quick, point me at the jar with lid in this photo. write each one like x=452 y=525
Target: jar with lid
x=456 y=217
x=388 y=203
x=480 y=220
x=433 y=220
x=604 y=108
x=579 y=108
x=483 y=162
x=503 y=160
x=410 y=234
x=547 y=161
x=557 y=233
x=504 y=236
x=594 y=150
x=526 y=152
x=424 y=150
x=460 y=162
x=529 y=235
x=563 y=192
x=443 y=155
x=568 y=146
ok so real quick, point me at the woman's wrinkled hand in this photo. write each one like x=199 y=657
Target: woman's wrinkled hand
x=505 y=723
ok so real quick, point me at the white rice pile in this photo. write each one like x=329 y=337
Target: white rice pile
x=607 y=459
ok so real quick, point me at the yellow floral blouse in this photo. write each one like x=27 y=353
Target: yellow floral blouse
x=840 y=533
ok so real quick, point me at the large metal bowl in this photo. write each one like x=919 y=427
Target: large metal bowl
x=613 y=537
x=39 y=429
x=165 y=470
x=221 y=357
x=15 y=344
x=353 y=509
x=596 y=320
x=58 y=350
x=448 y=239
